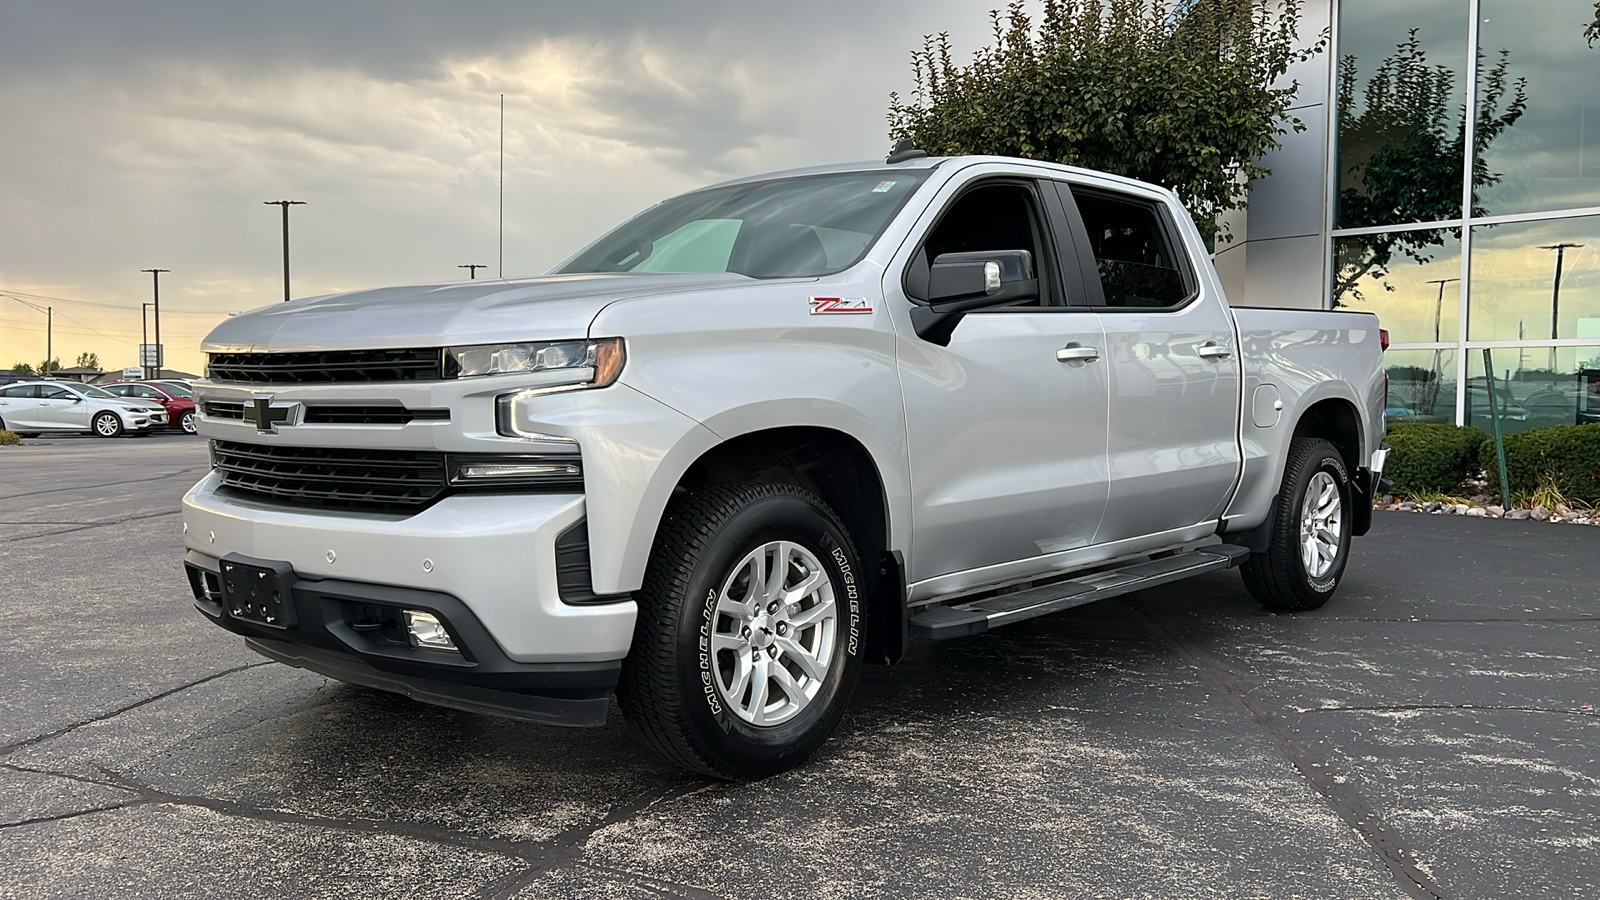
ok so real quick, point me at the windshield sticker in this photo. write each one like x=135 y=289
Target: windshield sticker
x=883 y=187
x=821 y=306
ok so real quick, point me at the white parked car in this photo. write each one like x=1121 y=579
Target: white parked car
x=32 y=407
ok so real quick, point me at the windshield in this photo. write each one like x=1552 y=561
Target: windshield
x=792 y=227
x=89 y=390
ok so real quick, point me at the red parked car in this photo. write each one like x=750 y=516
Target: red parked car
x=180 y=409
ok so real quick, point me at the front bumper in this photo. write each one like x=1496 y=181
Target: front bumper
x=355 y=632
x=145 y=421
x=495 y=553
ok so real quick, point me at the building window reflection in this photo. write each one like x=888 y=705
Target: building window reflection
x=1535 y=281
x=1399 y=92
x=1411 y=279
x=1530 y=394
x=1551 y=159
x=1422 y=386
x=1406 y=77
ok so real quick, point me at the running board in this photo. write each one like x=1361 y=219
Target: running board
x=977 y=616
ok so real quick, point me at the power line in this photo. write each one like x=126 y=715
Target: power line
x=19 y=295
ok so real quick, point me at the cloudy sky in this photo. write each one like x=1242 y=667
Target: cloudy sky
x=141 y=135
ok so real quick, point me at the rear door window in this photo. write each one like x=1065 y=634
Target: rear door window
x=1134 y=251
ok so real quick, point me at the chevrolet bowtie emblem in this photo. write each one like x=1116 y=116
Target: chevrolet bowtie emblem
x=266 y=415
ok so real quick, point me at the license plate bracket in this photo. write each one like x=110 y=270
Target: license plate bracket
x=258 y=591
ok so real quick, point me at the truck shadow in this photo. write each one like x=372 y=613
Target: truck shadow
x=364 y=753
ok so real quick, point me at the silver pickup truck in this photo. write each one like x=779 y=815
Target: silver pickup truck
x=762 y=434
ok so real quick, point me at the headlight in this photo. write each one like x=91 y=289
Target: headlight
x=136 y=409
x=603 y=356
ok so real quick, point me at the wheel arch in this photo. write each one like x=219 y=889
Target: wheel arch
x=841 y=471
x=1335 y=420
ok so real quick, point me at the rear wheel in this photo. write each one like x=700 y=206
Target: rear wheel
x=1310 y=541
x=107 y=425
x=749 y=631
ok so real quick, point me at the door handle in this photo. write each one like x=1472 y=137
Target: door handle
x=1210 y=350
x=1073 y=352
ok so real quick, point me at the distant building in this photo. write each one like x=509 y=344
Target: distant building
x=78 y=373
x=1372 y=207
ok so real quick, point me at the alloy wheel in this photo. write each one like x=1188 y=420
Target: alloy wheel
x=1321 y=525
x=775 y=634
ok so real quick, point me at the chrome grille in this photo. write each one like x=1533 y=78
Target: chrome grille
x=338 y=414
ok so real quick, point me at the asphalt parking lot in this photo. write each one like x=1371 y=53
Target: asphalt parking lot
x=1430 y=733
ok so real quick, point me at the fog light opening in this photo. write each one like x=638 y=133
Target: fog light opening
x=425 y=630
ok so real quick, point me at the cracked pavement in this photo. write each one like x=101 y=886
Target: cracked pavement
x=1431 y=733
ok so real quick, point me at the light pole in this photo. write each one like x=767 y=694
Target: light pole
x=285 y=204
x=1432 y=392
x=144 y=334
x=473 y=268
x=1438 y=304
x=1555 y=293
x=155 y=287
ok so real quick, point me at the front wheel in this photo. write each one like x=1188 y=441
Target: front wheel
x=107 y=425
x=186 y=421
x=748 y=639
x=1310 y=541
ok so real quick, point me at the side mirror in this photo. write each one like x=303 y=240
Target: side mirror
x=958 y=283
x=74 y=398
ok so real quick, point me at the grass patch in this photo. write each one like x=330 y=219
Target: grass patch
x=8 y=438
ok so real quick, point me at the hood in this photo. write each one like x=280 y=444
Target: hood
x=553 y=307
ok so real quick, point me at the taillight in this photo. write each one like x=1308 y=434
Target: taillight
x=1383 y=338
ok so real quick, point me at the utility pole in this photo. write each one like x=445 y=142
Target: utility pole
x=285 y=204
x=474 y=267
x=155 y=286
x=1555 y=293
x=144 y=334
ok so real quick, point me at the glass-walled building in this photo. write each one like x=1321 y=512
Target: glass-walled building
x=1449 y=180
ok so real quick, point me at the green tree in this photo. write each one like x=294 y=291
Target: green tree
x=48 y=366
x=1177 y=93
x=21 y=368
x=1403 y=152
x=1591 y=32
x=87 y=360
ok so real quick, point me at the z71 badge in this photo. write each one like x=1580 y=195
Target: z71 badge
x=821 y=306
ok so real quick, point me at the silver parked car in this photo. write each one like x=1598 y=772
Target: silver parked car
x=32 y=407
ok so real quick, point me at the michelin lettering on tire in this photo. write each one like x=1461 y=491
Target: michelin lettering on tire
x=852 y=594
x=708 y=682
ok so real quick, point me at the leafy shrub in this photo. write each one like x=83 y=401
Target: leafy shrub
x=1186 y=95
x=1427 y=458
x=8 y=437
x=1563 y=460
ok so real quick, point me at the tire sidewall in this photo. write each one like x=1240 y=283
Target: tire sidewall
x=1325 y=459
x=765 y=749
